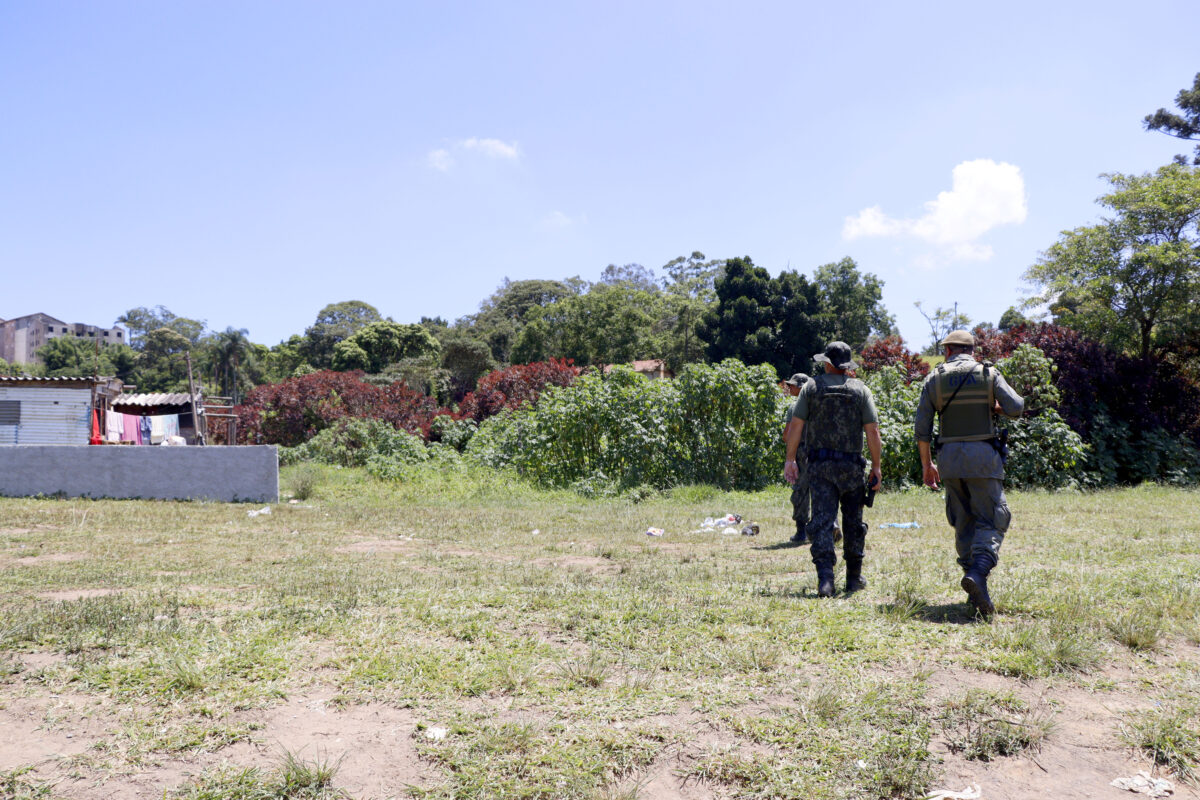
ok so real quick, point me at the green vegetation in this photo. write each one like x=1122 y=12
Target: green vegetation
x=536 y=643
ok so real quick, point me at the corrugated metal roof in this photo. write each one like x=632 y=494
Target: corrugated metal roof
x=160 y=399
x=38 y=381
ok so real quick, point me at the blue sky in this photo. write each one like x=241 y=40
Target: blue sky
x=247 y=163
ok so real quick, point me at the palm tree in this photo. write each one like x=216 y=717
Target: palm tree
x=230 y=348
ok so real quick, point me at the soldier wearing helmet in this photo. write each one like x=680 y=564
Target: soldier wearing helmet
x=964 y=394
x=837 y=410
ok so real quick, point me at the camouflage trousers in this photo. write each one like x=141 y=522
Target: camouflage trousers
x=836 y=486
x=977 y=510
x=800 y=496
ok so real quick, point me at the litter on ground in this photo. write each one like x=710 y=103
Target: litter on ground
x=655 y=531
x=905 y=525
x=1143 y=783
x=970 y=793
x=263 y=510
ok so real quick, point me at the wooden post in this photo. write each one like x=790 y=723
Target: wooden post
x=192 y=392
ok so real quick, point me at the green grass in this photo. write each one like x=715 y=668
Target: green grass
x=571 y=656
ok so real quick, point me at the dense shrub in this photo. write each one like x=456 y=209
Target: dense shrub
x=452 y=432
x=354 y=442
x=713 y=424
x=896 y=401
x=515 y=386
x=292 y=411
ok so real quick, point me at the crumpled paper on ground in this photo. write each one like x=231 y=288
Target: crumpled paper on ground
x=1142 y=783
x=970 y=793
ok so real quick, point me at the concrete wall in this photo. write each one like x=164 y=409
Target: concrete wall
x=228 y=474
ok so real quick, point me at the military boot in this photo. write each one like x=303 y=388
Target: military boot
x=825 y=582
x=801 y=536
x=854 y=580
x=974 y=583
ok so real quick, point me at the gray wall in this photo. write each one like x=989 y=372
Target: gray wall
x=249 y=474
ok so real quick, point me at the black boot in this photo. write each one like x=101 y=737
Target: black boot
x=801 y=536
x=825 y=582
x=854 y=580
x=974 y=583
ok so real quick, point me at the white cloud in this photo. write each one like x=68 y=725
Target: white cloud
x=984 y=194
x=557 y=220
x=440 y=160
x=492 y=148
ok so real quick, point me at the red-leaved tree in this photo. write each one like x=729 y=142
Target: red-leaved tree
x=515 y=386
x=891 y=350
x=293 y=411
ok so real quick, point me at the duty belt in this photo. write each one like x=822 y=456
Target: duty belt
x=817 y=454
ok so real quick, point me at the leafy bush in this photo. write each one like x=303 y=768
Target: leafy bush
x=896 y=401
x=452 y=432
x=355 y=442
x=713 y=424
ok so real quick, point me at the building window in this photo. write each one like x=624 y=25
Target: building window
x=10 y=412
x=106 y=333
x=51 y=328
x=91 y=333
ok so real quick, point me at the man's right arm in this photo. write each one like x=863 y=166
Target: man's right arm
x=923 y=429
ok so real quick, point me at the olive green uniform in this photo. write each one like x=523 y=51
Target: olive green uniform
x=963 y=391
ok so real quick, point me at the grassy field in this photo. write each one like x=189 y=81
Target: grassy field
x=464 y=636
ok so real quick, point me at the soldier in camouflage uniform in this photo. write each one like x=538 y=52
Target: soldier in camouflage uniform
x=970 y=459
x=836 y=410
x=800 y=498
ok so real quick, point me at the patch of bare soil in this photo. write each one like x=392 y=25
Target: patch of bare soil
x=68 y=595
x=1079 y=759
x=593 y=564
x=376 y=546
x=49 y=558
x=372 y=744
x=44 y=729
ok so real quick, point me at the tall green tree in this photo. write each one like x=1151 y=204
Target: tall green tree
x=336 y=322
x=690 y=291
x=610 y=324
x=502 y=316
x=229 y=350
x=851 y=303
x=380 y=344
x=802 y=326
x=141 y=321
x=68 y=356
x=742 y=324
x=1133 y=280
x=1185 y=125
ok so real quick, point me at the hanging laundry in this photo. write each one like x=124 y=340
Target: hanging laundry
x=144 y=430
x=157 y=431
x=170 y=425
x=131 y=428
x=112 y=426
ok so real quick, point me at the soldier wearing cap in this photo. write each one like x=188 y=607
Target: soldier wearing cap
x=964 y=394
x=836 y=410
x=800 y=497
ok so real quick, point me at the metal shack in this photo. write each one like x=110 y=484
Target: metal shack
x=51 y=410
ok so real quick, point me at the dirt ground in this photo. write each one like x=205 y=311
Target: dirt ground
x=375 y=745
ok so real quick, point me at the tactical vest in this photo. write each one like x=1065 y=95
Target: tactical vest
x=963 y=396
x=835 y=418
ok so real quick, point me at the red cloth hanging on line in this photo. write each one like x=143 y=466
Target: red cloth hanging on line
x=95 y=428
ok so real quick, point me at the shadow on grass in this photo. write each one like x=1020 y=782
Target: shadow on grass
x=946 y=613
x=786 y=544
